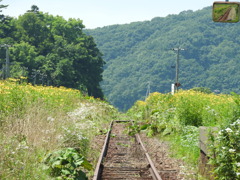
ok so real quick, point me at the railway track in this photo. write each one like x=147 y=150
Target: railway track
x=124 y=157
x=225 y=17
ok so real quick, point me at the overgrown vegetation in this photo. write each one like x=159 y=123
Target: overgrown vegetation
x=46 y=132
x=226 y=151
x=37 y=121
x=67 y=164
x=176 y=118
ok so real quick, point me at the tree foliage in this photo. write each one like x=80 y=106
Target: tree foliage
x=2 y=6
x=53 y=51
x=140 y=52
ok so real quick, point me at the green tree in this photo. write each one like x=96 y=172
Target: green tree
x=25 y=54
x=32 y=29
x=34 y=9
x=56 y=49
x=2 y=6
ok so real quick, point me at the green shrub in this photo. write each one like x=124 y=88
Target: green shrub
x=67 y=164
x=226 y=152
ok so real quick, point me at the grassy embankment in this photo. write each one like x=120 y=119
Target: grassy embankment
x=37 y=120
x=176 y=118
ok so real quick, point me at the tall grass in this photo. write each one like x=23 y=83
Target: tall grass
x=187 y=108
x=177 y=117
x=37 y=120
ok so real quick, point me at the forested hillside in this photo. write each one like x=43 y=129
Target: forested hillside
x=140 y=52
x=50 y=50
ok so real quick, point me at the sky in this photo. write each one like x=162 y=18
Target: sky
x=100 y=13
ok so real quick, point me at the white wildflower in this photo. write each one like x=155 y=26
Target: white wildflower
x=238 y=164
x=232 y=150
x=59 y=137
x=238 y=174
x=51 y=119
x=238 y=121
x=229 y=130
x=223 y=147
x=208 y=107
x=45 y=140
x=47 y=131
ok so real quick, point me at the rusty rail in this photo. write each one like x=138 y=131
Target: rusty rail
x=153 y=170
x=99 y=166
x=225 y=16
x=150 y=166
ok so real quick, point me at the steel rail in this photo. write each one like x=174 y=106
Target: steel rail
x=225 y=16
x=153 y=171
x=99 y=167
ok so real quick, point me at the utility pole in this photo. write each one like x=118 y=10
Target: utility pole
x=177 y=84
x=7 y=68
x=148 y=89
x=34 y=75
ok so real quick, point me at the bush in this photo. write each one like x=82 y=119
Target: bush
x=202 y=89
x=226 y=152
x=67 y=164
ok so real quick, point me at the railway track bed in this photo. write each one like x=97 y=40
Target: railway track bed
x=124 y=157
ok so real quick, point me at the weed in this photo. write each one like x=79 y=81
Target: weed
x=226 y=152
x=123 y=145
x=67 y=164
x=177 y=118
x=36 y=120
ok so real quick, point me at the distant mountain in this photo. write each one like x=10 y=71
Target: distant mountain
x=140 y=52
